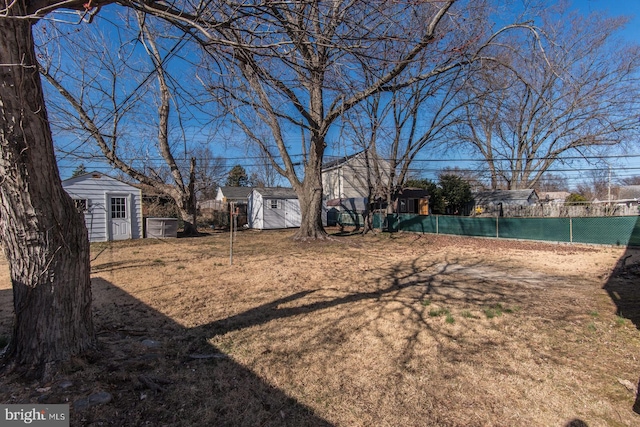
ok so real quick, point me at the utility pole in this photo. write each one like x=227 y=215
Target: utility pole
x=609 y=196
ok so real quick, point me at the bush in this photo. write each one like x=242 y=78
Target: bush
x=575 y=199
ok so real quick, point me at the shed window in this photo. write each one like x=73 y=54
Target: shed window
x=82 y=205
x=274 y=204
x=403 y=206
x=118 y=208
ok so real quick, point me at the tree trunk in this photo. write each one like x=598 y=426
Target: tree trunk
x=188 y=217
x=310 y=198
x=191 y=226
x=43 y=235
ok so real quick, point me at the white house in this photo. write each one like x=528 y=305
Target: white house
x=112 y=208
x=273 y=207
x=350 y=177
x=226 y=195
x=233 y=194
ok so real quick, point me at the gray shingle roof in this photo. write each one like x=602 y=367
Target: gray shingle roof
x=236 y=193
x=505 y=196
x=277 y=192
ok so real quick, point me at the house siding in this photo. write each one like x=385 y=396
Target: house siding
x=349 y=178
x=97 y=191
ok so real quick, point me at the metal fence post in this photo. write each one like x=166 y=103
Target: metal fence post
x=497 y=227
x=570 y=230
x=437 y=216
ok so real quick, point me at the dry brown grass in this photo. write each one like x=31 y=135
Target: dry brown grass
x=400 y=330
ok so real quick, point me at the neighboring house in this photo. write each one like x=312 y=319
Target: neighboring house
x=411 y=200
x=347 y=177
x=112 y=208
x=237 y=195
x=275 y=207
x=496 y=202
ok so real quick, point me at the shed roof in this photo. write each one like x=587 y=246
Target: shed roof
x=277 y=192
x=95 y=175
x=411 y=193
x=236 y=192
x=497 y=196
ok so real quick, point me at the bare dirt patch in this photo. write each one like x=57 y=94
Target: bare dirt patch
x=370 y=330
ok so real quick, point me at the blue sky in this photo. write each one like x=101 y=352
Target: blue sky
x=608 y=7
x=629 y=8
x=615 y=8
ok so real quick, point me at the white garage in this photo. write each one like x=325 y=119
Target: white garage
x=112 y=208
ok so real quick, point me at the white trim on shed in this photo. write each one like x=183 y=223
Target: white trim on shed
x=275 y=207
x=112 y=208
x=272 y=208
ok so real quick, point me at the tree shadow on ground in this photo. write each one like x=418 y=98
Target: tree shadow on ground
x=623 y=287
x=398 y=288
x=160 y=372
x=157 y=374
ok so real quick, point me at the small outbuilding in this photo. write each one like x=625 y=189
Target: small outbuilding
x=112 y=208
x=503 y=202
x=273 y=207
x=411 y=200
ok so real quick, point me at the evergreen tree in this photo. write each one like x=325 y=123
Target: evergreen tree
x=237 y=177
x=456 y=193
x=80 y=170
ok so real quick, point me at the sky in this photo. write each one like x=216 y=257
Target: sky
x=608 y=7
x=631 y=9
x=622 y=165
x=615 y=8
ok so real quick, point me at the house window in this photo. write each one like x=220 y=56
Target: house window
x=403 y=206
x=118 y=208
x=82 y=205
x=274 y=204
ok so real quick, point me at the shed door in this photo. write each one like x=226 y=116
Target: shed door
x=119 y=220
x=292 y=215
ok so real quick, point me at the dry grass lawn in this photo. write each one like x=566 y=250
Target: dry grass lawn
x=385 y=330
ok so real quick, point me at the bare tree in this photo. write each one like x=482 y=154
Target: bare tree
x=103 y=108
x=631 y=180
x=550 y=182
x=210 y=172
x=567 y=93
x=400 y=126
x=43 y=235
x=596 y=185
x=297 y=67
x=474 y=177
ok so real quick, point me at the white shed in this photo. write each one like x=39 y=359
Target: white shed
x=273 y=207
x=112 y=208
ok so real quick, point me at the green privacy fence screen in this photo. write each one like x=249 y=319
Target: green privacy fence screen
x=610 y=230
